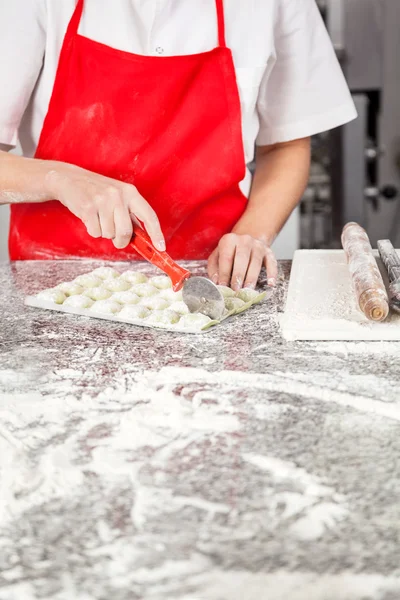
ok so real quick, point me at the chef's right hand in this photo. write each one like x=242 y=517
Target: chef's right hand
x=106 y=206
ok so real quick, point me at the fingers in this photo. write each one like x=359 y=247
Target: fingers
x=213 y=266
x=123 y=226
x=82 y=207
x=117 y=208
x=255 y=266
x=92 y=223
x=113 y=217
x=238 y=261
x=243 y=252
x=271 y=264
x=142 y=211
x=226 y=252
x=105 y=204
x=107 y=207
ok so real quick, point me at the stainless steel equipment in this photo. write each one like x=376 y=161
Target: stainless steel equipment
x=356 y=169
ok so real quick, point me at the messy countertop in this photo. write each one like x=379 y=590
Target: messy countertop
x=138 y=464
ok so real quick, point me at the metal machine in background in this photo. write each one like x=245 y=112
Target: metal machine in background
x=355 y=172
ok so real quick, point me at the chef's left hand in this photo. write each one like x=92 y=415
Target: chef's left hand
x=238 y=260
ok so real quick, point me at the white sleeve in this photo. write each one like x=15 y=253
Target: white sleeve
x=22 y=47
x=305 y=92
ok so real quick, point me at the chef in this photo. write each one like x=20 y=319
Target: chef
x=150 y=111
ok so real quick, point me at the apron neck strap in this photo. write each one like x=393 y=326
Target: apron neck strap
x=76 y=19
x=221 y=23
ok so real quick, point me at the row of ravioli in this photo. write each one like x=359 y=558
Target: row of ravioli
x=133 y=296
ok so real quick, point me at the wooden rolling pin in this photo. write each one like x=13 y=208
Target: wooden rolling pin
x=367 y=280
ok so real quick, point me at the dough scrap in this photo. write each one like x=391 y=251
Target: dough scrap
x=52 y=295
x=106 y=307
x=88 y=280
x=78 y=302
x=133 y=277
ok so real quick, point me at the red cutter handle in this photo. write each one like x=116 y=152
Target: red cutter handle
x=143 y=245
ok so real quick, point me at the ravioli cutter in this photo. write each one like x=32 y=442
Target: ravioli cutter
x=199 y=294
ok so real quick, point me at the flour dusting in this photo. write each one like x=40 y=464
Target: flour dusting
x=322 y=304
x=212 y=467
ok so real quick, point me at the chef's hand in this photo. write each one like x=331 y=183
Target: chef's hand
x=238 y=260
x=106 y=206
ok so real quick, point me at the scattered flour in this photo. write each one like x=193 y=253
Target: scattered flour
x=380 y=349
x=218 y=584
x=49 y=442
x=158 y=415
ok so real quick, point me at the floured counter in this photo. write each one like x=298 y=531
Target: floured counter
x=321 y=302
x=140 y=464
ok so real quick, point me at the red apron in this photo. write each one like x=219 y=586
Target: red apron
x=171 y=126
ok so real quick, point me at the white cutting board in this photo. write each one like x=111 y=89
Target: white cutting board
x=321 y=303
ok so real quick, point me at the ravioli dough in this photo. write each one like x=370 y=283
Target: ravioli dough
x=135 y=311
x=106 y=307
x=145 y=290
x=180 y=307
x=52 y=295
x=170 y=295
x=105 y=272
x=78 y=302
x=70 y=288
x=88 y=280
x=194 y=321
x=133 y=277
x=227 y=292
x=163 y=317
x=117 y=285
x=127 y=297
x=98 y=293
x=234 y=303
x=133 y=297
x=154 y=303
x=162 y=282
x=247 y=294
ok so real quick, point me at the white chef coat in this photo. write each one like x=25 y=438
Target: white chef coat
x=289 y=79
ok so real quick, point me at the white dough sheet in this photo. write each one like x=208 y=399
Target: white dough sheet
x=322 y=305
x=132 y=297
